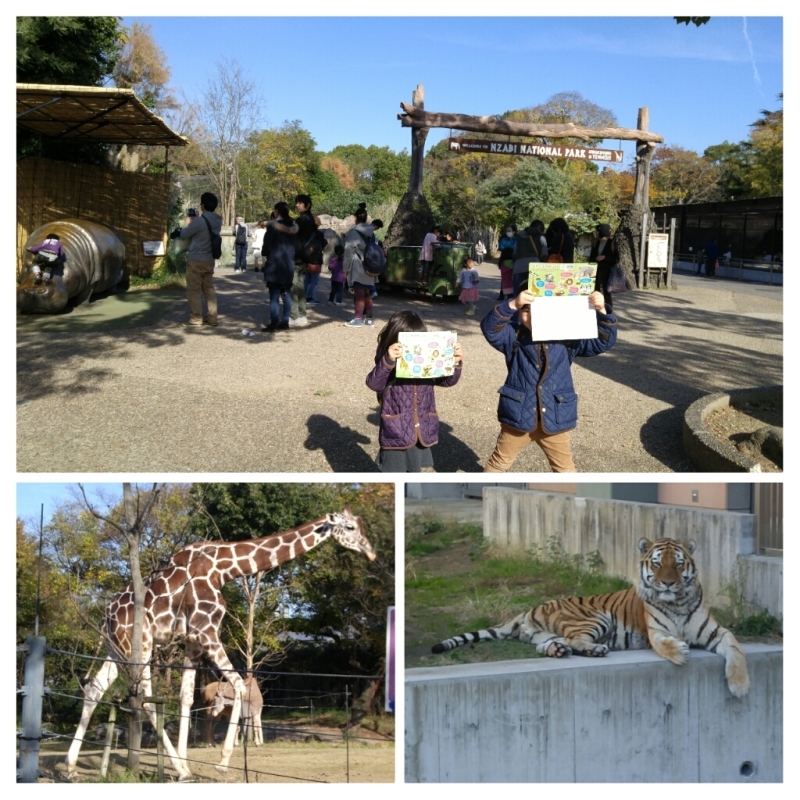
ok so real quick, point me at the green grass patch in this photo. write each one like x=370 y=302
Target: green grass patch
x=455 y=582
x=169 y=273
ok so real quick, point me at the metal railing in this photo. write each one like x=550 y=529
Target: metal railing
x=761 y=271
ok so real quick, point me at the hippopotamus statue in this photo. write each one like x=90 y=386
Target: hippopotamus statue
x=94 y=257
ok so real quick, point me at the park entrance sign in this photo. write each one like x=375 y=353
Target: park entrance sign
x=541 y=150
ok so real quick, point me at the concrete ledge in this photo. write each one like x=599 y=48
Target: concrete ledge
x=707 y=451
x=463 y=511
x=628 y=717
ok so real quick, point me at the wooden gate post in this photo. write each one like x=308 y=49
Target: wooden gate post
x=33 y=691
x=418 y=137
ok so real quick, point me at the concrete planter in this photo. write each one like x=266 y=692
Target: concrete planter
x=709 y=453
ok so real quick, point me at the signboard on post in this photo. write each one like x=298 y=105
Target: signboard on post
x=541 y=150
x=657 y=250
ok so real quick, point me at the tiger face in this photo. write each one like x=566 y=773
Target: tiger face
x=667 y=572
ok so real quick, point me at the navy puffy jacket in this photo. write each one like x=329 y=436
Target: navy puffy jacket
x=539 y=374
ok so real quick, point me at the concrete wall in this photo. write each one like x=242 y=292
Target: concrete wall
x=522 y=520
x=630 y=716
x=763 y=582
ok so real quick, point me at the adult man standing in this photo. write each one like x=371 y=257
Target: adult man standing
x=200 y=261
x=240 y=239
x=306 y=225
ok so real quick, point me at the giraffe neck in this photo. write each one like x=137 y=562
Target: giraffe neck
x=238 y=559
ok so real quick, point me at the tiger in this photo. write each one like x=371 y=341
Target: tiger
x=665 y=611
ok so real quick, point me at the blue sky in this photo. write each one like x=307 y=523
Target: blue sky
x=344 y=78
x=31 y=496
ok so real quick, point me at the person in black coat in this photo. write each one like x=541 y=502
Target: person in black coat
x=604 y=254
x=279 y=270
x=560 y=241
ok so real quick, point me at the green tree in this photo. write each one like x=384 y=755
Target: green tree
x=79 y=51
x=278 y=164
x=533 y=189
x=678 y=176
x=765 y=176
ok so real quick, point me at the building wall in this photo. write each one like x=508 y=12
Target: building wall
x=628 y=717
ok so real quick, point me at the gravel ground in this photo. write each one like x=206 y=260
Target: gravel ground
x=161 y=398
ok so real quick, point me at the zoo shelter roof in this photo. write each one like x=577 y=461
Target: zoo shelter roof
x=91 y=114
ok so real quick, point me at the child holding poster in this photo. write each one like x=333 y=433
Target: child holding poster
x=538 y=402
x=409 y=422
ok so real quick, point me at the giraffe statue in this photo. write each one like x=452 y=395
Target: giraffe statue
x=184 y=602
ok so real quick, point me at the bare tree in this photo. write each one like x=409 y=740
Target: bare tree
x=136 y=511
x=228 y=111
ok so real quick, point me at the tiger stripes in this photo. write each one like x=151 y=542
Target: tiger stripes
x=665 y=611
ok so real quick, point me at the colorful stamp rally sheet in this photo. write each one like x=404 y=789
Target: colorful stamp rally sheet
x=561 y=309
x=428 y=354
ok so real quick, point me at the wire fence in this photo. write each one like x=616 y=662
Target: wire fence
x=309 y=707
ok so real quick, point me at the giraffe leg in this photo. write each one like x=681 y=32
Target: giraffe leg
x=219 y=658
x=178 y=763
x=94 y=692
x=187 y=699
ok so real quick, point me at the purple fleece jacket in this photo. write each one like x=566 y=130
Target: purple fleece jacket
x=408 y=407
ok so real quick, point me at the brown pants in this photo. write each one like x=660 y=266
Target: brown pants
x=511 y=442
x=199 y=284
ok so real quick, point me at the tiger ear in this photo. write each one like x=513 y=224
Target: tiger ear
x=644 y=545
x=691 y=546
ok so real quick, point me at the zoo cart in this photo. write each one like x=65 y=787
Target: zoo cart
x=402 y=264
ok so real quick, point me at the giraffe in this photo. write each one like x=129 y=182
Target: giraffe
x=184 y=602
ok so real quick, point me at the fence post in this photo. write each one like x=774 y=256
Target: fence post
x=158 y=702
x=347 y=727
x=112 y=718
x=33 y=690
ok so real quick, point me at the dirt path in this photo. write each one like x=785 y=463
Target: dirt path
x=277 y=762
x=160 y=398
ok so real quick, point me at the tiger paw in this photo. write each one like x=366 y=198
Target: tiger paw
x=675 y=650
x=595 y=650
x=558 y=650
x=738 y=680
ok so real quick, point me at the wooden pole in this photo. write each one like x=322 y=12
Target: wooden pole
x=32 y=692
x=418 y=137
x=158 y=702
x=112 y=718
x=644 y=155
x=643 y=250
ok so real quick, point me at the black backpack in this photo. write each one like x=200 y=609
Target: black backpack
x=241 y=234
x=216 y=241
x=311 y=251
x=374 y=257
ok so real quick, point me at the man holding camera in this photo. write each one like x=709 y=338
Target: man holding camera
x=200 y=263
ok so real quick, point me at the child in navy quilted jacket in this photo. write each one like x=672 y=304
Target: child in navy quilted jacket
x=409 y=422
x=538 y=402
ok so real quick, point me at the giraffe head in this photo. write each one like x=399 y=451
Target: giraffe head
x=349 y=532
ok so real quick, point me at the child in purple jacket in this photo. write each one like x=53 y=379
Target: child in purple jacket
x=337 y=276
x=409 y=422
x=46 y=254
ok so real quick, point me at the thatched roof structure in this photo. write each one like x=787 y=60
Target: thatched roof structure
x=91 y=114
